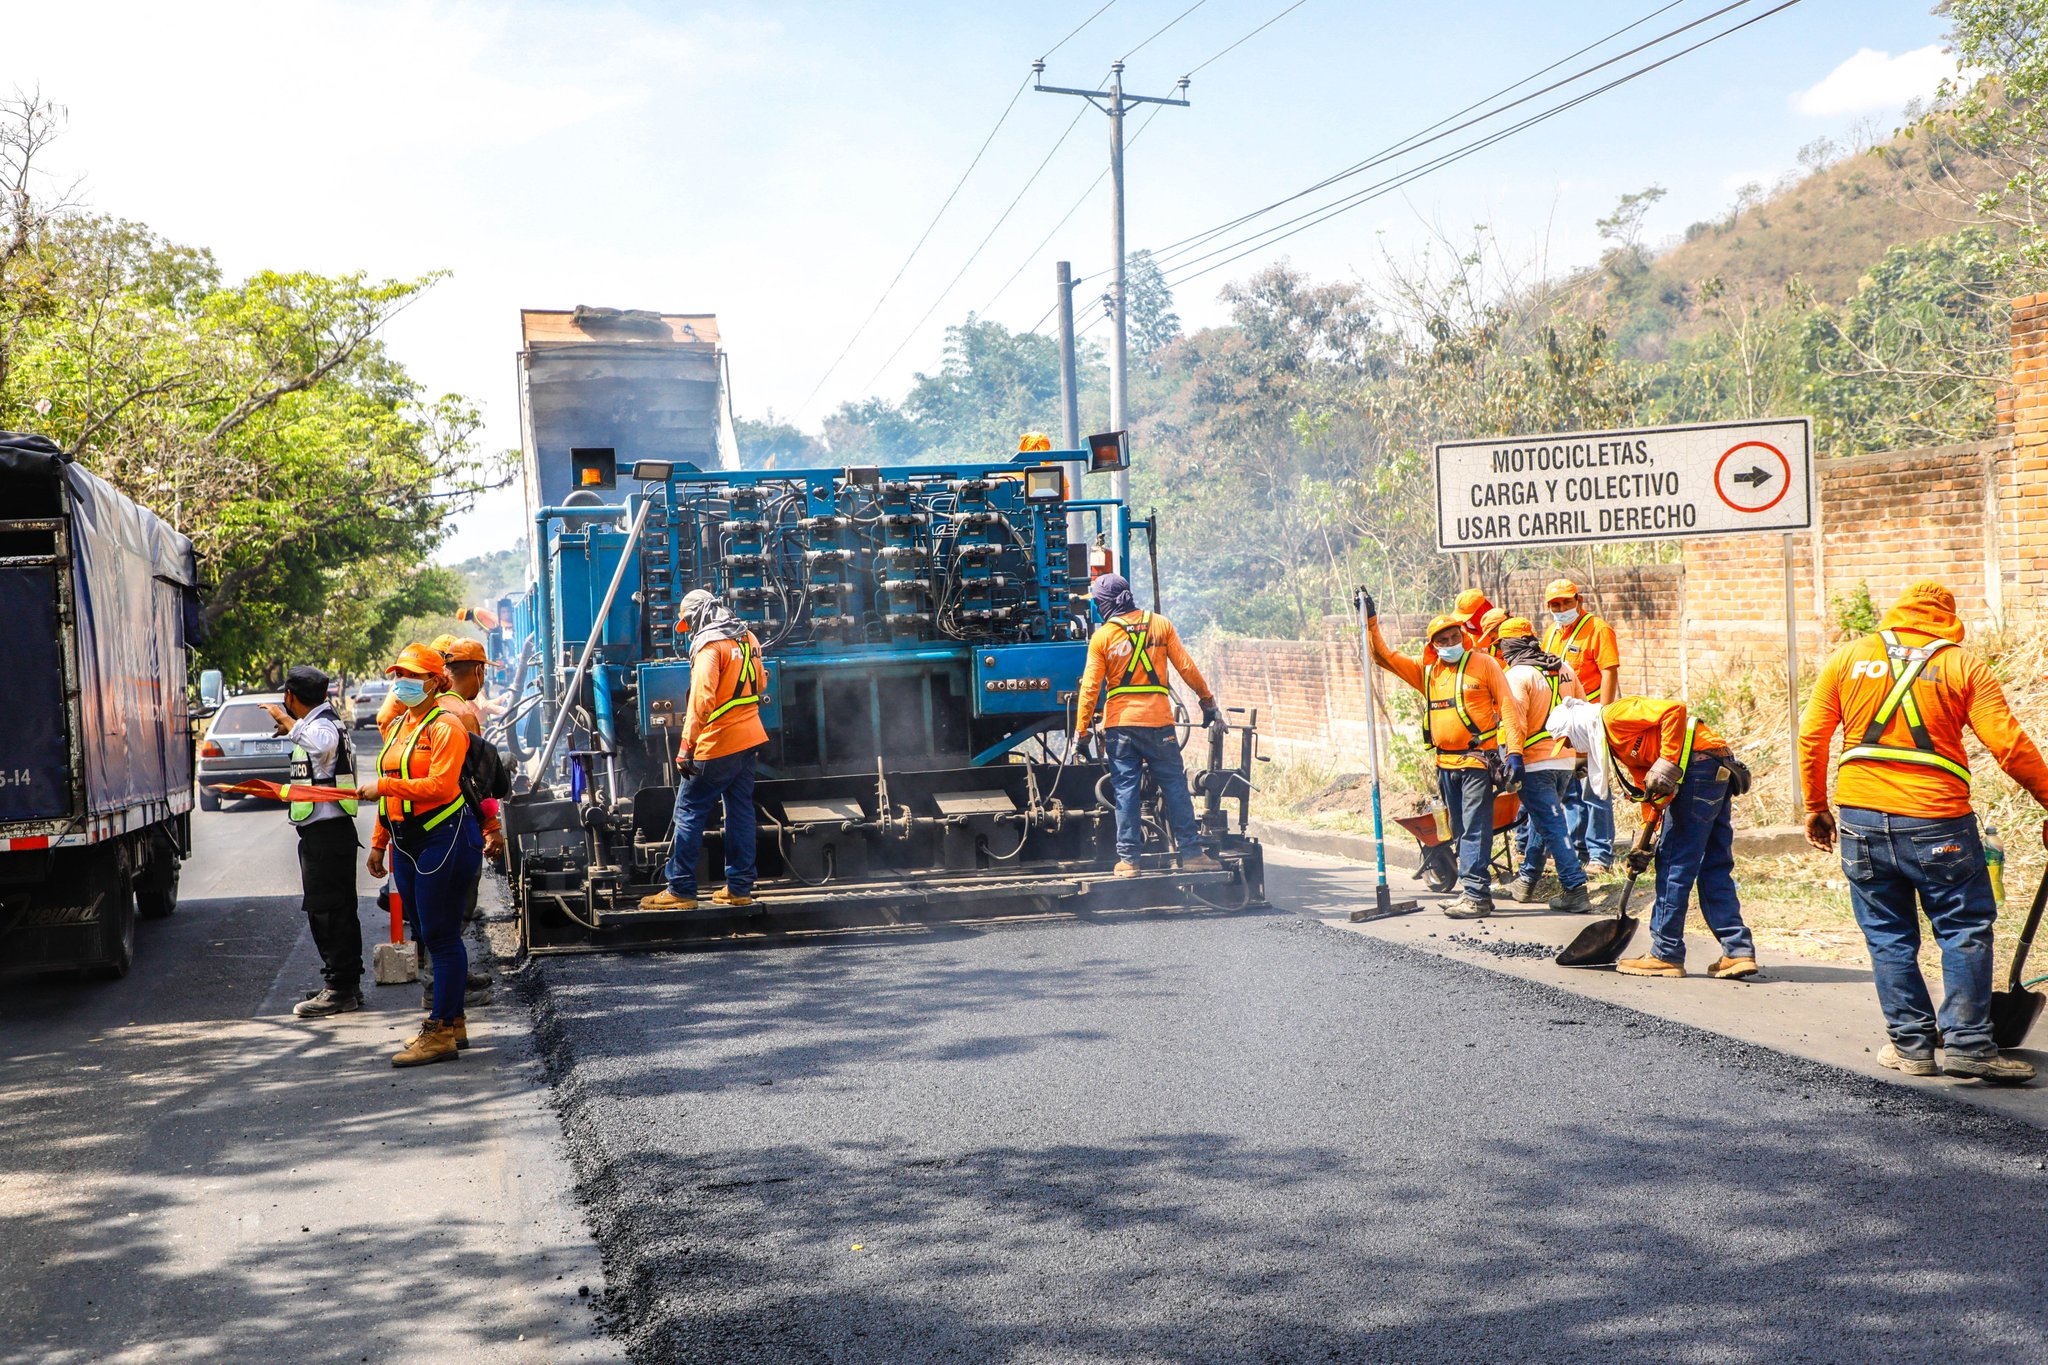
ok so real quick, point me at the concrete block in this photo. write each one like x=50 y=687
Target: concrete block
x=395 y=964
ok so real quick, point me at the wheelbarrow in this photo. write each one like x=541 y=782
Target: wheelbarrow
x=1432 y=829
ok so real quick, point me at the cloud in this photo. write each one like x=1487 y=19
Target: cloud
x=1872 y=81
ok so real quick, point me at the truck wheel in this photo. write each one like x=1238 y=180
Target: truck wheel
x=209 y=799
x=117 y=931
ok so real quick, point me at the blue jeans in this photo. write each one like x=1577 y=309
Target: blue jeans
x=1468 y=801
x=1891 y=858
x=729 y=779
x=433 y=881
x=1591 y=820
x=1132 y=749
x=1543 y=829
x=1697 y=849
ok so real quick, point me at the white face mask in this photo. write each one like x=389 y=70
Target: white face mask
x=1450 y=654
x=1565 y=618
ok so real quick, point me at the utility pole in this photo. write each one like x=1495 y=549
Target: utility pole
x=1070 y=395
x=1113 y=102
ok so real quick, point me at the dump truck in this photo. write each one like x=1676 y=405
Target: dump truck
x=98 y=611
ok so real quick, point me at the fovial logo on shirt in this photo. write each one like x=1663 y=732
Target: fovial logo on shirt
x=1869 y=668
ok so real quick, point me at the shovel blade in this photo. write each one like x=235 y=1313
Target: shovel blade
x=1600 y=943
x=2012 y=1013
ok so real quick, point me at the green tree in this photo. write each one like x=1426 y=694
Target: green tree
x=1150 y=324
x=773 y=444
x=1996 y=108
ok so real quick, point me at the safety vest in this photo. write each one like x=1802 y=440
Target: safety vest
x=1563 y=650
x=1556 y=692
x=746 y=689
x=1906 y=663
x=1456 y=701
x=1635 y=793
x=302 y=772
x=1140 y=675
x=405 y=768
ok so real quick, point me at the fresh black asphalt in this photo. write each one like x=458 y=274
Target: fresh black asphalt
x=1253 y=1138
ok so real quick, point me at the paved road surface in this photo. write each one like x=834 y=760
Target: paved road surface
x=187 y=1173
x=1256 y=1138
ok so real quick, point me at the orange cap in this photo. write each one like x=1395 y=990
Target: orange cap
x=464 y=651
x=441 y=644
x=1560 y=590
x=1472 y=604
x=1515 y=627
x=420 y=661
x=1443 y=623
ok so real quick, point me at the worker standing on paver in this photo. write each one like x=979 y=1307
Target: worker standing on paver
x=1590 y=650
x=1538 y=682
x=1129 y=653
x=327 y=840
x=722 y=737
x=1475 y=728
x=1901 y=698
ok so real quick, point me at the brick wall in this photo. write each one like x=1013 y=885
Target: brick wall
x=1973 y=516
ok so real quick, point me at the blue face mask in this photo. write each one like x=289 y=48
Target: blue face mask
x=409 y=691
x=1565 y=618
x=1450 y=654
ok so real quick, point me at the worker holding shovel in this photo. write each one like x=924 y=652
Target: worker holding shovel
x=1902 y=697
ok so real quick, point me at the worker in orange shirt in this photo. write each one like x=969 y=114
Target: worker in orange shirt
x=1902 y=698
x=1128 y=655
x=426 y=819
x=1538 y=682
x=722 y=737
x=1590 y=650
x=1472 y=724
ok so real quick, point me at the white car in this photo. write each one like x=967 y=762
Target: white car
x=242 y=743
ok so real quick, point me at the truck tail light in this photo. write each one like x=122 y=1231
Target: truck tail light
x=211 y=749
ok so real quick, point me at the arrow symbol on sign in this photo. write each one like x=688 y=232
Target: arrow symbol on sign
x=1756 y=476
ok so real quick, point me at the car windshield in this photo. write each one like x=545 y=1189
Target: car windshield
x=243 y=718
x=373 y=689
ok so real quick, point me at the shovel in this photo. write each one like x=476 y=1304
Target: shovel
x=1600 y=943
x=2014 y=1009
x=1383 y=905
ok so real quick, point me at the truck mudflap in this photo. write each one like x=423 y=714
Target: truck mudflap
x=592 y=916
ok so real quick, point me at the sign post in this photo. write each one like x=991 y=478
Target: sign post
x=1645 y=483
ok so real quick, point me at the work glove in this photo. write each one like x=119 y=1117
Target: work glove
x=1663 y=779
x=1516 y=766
x=1639 y=860
x=1212 y=714
x=689 y=766
x=1362 y=598
x=1820 y=830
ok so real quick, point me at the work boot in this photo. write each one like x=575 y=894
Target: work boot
x=1523 y=889
x=1993 y=1068
x=1469 y=906
x=1912 y=1063
x=1201 y=862
x=666 y=900
x=1573 y=900
x=460 y=1023
x=1733 y=968
x=722 y=896
x=1597 y=869
x=1649 y=966
x=435 y=1042
x=1126 y=868
x=326 y=1001
x=476 y=989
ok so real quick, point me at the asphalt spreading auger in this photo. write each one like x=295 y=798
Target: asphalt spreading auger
x=924 y=630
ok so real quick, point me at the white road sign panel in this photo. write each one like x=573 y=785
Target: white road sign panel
x=1649 y=483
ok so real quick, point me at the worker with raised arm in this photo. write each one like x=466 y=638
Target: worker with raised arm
x=1680 y=773
x=1538 y=682
x=1472 y=723
x=1902 y=698
x=1590 y=650
x=1128 y=657
x=722 y=738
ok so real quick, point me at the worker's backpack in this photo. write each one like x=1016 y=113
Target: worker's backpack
x=483 y=773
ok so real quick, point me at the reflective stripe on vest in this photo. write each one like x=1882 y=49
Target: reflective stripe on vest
x=405 y=769
x=1635 y=793
x=1477 y=736
x=1906 y=664
x=302 y=771
x=1140 y=665
x=1556 y=691
x=1563 y=651
x=746 y=689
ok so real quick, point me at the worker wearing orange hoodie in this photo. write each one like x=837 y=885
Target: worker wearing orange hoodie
x=1679 y=770
x=1471 y=611
x=722 y=736
x=1902 y=698
x=1473 y=725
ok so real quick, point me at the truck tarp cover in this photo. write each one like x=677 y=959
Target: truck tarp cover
x=134 y=581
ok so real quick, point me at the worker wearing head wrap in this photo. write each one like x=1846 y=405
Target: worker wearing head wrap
x=1902 y=698
x=1486 y=636
x=1128 y=655
x=433 y=836
x=1538 y=682
x=1472 y=723
x=722 y=737
x=1591 y=651
x=1471 y=609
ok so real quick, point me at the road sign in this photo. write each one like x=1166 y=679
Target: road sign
x=1647 y=483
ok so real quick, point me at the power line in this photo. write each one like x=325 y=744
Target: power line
x=1156 y=32
x=861 y=330
x=1431 y=134
x=1349 y=202
x=1076 y=29
x=1261 y=29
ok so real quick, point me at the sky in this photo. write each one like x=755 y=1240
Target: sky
x=776 y=163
